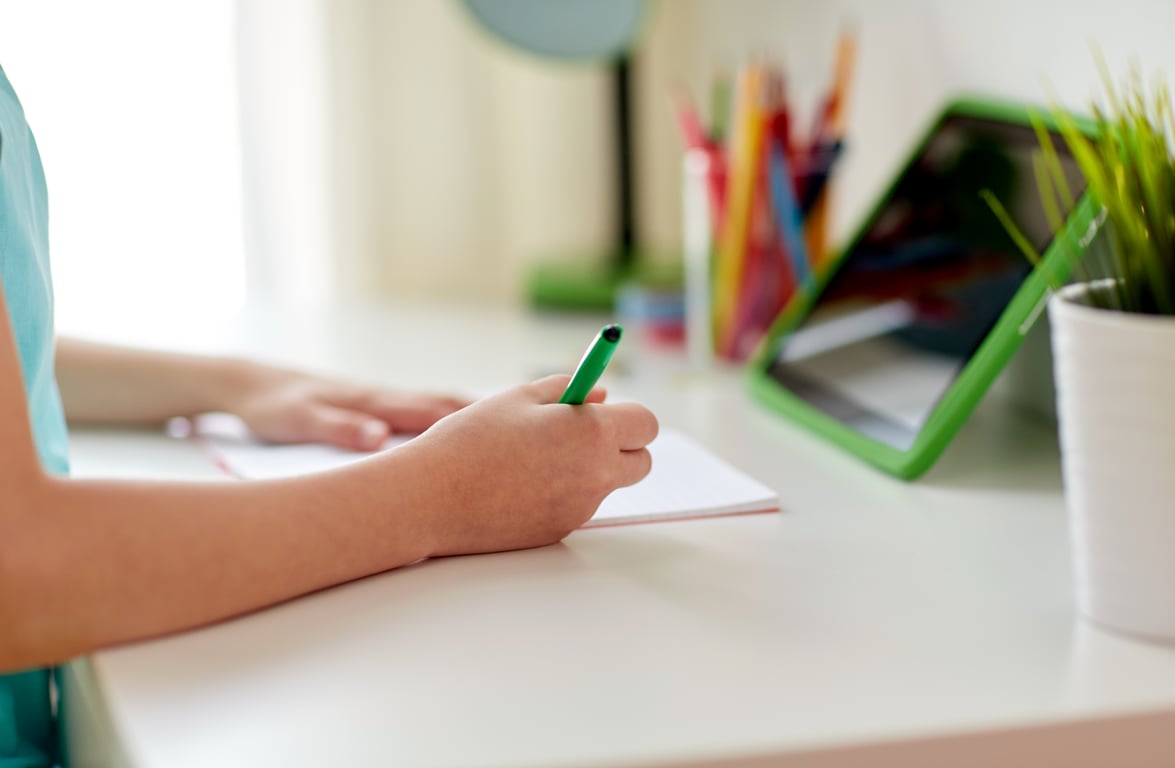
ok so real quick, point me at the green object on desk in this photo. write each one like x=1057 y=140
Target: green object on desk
x=900 y=336
x=594 y=286
x=583 y=287
x=592 y=366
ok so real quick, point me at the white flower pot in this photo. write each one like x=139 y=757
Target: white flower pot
x=1115 y=376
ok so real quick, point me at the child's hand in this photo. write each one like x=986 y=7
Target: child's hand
x=521 y=470
x=289 y=407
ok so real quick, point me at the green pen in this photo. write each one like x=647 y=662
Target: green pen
x=592 y=366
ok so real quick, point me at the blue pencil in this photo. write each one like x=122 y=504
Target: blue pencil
x=787 y=213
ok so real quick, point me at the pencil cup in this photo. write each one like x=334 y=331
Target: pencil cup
x=746 y=255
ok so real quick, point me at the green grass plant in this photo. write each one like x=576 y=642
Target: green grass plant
x=1128 y=164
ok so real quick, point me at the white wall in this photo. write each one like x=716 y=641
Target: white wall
x=468 y=160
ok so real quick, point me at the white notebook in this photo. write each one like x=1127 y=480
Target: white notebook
x=686 y=480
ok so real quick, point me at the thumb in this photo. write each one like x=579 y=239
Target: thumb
x=346 y=429
x=549 y=388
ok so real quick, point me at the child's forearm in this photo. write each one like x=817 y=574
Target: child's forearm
x=110 y=384
x=86 y=563
x=120 y=561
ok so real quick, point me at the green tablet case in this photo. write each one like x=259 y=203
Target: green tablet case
x=983 y=366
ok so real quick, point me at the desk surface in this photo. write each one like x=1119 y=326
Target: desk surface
x=869 y=612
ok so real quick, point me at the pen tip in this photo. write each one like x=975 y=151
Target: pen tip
x=611 y=333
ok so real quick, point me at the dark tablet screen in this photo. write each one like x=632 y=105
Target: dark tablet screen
x=917 y=293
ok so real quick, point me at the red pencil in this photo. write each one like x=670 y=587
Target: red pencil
x=695 y=137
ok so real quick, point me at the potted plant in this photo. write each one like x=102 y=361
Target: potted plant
x=1113 y=335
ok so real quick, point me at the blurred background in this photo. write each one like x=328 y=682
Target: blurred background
x=203 y=154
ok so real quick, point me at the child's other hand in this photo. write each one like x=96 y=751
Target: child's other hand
x=283 y=406
x=520 y=470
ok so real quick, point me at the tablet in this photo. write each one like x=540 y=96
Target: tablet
x=893 y=345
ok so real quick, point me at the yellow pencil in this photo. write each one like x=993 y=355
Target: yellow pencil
x=846 y=54
x=817 y=221
x=747 y=137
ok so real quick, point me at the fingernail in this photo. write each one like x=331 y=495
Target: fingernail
x=374 y=433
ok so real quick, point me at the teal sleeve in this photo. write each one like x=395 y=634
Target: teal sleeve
x=26 y=717
x=26 y=726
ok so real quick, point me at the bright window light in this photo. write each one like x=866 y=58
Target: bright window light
x=134 y=104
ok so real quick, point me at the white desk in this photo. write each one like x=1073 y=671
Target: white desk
x=871 y=622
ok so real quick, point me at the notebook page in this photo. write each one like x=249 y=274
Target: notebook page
x=238 y=453
x=250 y=460
x=686 y=480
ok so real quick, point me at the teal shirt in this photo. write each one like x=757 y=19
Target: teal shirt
x=26 y=722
